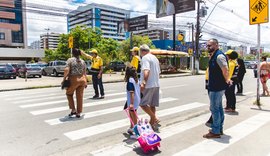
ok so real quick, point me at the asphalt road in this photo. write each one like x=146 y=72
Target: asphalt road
x=33 y=122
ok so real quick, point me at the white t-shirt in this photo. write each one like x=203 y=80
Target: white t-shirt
x=150 y=62
x=132 y=86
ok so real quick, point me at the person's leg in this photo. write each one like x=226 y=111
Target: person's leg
x=101 y=88
x=69 y=93
x=79 y=96
x=227 y=95
x=95 y=84
x=217 y=111
x=233 y=97
x=133 y=118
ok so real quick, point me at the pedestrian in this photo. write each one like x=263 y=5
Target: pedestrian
x=96 y=70
x=233 y=72
x=240 y=75
x=264 y=75
x=217 y=84
x=133 y=95
x=75 y=71
x=150 y=71
x=136 y=61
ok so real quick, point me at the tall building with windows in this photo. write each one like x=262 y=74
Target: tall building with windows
x=154 y=33
x=98 y=15
x=35 y=45
x=49 y=40
x=13 y=24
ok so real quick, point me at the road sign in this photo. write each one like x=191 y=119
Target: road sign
x=70 y=42
x=258 y=11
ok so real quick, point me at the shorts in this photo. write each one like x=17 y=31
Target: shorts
x=150 y=97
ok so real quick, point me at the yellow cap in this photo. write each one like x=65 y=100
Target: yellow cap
x=229 y=52
x=94 y=51
x=135 y=49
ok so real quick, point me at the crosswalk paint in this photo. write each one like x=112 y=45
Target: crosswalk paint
x=94 y=130
x=123 y=148
x=98 y=113
x=175 y=86
x=213 y=146
x=61 y=101
x=89 y=104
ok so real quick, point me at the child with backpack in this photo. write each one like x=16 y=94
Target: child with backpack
x=133 y=96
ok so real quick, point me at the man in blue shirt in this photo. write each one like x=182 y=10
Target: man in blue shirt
x=217 y=83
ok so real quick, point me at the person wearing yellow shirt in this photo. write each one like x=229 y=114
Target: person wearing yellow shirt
x=135 y=62
x=96 y=70
x=233 y=71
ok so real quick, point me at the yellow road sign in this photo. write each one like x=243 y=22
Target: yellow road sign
x=258 y=11
x=70 y=42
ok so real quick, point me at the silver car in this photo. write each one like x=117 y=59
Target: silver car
x=30 y=70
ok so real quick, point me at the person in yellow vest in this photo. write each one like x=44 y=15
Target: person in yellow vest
x=135 y=62
x=96 y=70
x=233 y=71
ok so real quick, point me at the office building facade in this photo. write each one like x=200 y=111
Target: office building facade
x=49 y=40
x=154 y=33
x=98 y=15
x=13 y=24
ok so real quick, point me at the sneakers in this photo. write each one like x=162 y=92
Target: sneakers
x=130 y=131
x=211 y=135
x=102 y=97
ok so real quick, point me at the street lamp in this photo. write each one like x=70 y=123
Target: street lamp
x=211 y=12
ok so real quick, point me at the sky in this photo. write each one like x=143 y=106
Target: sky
x=229 y=18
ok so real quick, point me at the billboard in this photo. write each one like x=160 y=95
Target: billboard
x=170 y=7
x=133 y=24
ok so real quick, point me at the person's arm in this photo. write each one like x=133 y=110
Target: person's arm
x=223 y=64
x=100 y=68
x=145 y=78
x=131 y=106
x=66 y=72
x=86 y=55
x=84 y=73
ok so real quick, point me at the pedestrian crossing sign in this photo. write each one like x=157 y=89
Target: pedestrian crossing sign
x=258 y=11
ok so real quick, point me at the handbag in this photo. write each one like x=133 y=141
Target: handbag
x=65 y=84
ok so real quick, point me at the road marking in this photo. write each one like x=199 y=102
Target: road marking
x=58 y=109
x=62 y=101
x=176 y=86
x=123 y=148
x=97 y=113
x=213 y=146
x=94 y=130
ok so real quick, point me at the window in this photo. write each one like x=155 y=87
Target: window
x=2 y=36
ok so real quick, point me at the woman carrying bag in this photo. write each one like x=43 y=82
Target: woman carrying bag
x=75 y=71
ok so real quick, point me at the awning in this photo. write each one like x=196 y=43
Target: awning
x=168 y=52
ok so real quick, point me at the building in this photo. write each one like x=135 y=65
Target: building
x=154 y=33
x=35 y=45
x=13 y=24
x=101 y=16
x=49 y=40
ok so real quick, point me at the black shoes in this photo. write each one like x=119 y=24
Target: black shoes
x=71 y=114
x=95 y=97
x=102 y=97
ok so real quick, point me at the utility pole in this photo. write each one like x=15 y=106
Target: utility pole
x=174 y=32
x=197 y=49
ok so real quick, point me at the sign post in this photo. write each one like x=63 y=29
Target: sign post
x=258 y=13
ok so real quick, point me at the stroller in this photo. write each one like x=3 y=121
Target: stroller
x=147 y=138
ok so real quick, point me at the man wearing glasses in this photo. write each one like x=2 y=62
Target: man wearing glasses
x=217 y=84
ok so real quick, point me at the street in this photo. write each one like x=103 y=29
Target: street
x=34 y=122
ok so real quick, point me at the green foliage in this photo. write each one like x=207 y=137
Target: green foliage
x=249 y=57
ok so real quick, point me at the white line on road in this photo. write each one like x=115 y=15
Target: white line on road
x=123 y=148
x=98 y=113
x=94 y=130
x=176 y=86
x=62 y=101
x=58 y=109
x=211 y=147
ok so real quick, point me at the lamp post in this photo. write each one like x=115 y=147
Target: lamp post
x=211 y=12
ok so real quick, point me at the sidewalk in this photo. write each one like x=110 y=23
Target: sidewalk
x=49 y=81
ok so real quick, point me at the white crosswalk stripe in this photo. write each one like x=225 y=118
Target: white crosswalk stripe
x=238 y=132
x=94 y=130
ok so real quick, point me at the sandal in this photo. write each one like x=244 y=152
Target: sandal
x=78 y=115
x=72 y=113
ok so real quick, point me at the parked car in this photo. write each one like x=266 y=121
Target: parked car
x=250 y=64
x=7 y=71
x=17 y=66
x=117 y=66
x=30 y=70
x=54 y=68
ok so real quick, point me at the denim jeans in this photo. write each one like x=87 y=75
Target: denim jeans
x=217 y=112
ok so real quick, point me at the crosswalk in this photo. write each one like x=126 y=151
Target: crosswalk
x=50 y=105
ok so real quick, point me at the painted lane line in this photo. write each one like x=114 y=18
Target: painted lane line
x=176 y=86
x=99 y=113
x=52 y=97
x=123 y=148
x=58 y=109
x=61 y=101
x=212 y=147
x=94 y=130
